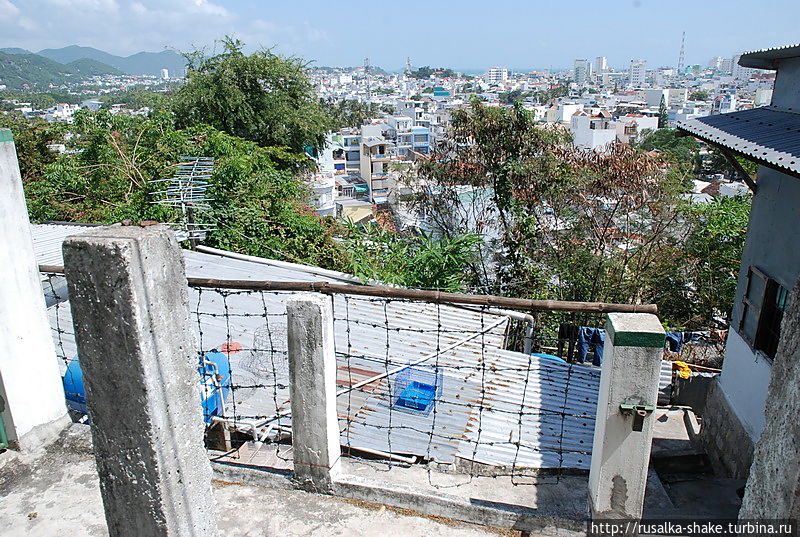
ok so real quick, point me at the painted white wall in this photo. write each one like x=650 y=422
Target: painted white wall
x=30 y=381
x=744 y=381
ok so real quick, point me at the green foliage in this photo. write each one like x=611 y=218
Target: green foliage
x=683 y=150
x=258 y=206
x=19 y=71
x=716 y=162
x=263 y=97
x=351 y=113
x=513 y=96
x=549 y=95
x=419 y=261
x=700 y=95
x=713 y=252
x=138 y=97
x=663 y=119
x=563 y=223
x=427 y=72
x=31 y=139
x=89 y=67
x=41 y=100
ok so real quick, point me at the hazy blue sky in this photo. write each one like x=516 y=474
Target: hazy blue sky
x=456 y=33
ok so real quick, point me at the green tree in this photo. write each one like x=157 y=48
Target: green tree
x=699 y=95
x=558 y=222
x=32 y=138
x=261 y=97
x=662 y=114
x=713 y=253
x=683 y=150
x=421 y=261
x=717 y=162
x=513 y=96
x=258 y=206
x=351 y=112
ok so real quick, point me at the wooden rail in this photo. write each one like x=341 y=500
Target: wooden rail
x=411 y=294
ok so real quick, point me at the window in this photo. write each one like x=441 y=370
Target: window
x=763 y=304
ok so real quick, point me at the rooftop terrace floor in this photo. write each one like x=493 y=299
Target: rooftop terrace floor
x=56 y=492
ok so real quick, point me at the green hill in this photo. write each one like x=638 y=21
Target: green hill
x=142 y=63
x=15 y=50
x=88 y=67
x=19 y=70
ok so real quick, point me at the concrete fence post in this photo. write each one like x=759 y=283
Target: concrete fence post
x=129 y=299
x=312 y=384
x=773 y=486
x=628 y=392
x=32 y=407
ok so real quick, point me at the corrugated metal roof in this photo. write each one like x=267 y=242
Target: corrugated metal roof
x=47 y=239
x=496 y=407
x=768 y=135
x=765 y=58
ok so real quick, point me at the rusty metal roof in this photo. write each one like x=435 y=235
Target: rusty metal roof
x=496 y=407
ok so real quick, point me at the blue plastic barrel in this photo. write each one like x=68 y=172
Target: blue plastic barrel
x=215 y=381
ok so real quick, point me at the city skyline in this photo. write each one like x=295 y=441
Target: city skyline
x=464 y=37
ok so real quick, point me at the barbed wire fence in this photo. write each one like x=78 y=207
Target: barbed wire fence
x=436 y=386
x=418 y=384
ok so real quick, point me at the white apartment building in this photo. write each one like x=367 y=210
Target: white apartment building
x=600 y=65
x=496 y=75
x=637 y=73
x=671 y=96
x=583 y=72
x=595 y=132
x=741 y=73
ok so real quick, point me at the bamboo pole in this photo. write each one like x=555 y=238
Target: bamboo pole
x=412 y=294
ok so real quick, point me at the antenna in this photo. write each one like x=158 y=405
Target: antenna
x=681 y=56
x=409 y=67
x=186 y=190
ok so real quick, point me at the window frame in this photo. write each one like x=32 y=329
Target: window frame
x=768 y=313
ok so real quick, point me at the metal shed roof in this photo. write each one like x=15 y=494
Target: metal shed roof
x=769 y=135
x=496 y=407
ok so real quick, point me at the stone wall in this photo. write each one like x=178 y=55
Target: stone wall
x=725 y=440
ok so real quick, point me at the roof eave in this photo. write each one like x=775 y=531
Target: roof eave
x=687 y=129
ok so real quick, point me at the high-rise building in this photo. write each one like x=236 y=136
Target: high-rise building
x=600 y=65
x=165 y=74
x=741 y=73
x=496 y=75
x=726 y=65
x=637 y=73
x=583 y=71
x=715 y=63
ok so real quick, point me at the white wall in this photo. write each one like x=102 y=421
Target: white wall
x=744 y=381
x=30 y=382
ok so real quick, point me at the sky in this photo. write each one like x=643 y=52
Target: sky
x=461 y=34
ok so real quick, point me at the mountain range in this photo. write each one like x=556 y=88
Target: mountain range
x=53 y=66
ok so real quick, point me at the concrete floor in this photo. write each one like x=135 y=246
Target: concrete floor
x=55 y=492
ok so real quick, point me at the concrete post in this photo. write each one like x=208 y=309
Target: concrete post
x=620 y=456
x=312 y=385
x=773 y=487
x=130 y=310
x=32 y=405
